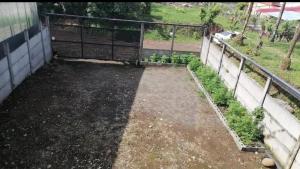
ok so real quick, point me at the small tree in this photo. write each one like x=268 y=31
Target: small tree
x=262 y=31
x=254 y=20
x=286 y=62
x=241 y=37
x=286 y=30
x=278 y=22
x=208 y=14
x=269 y=27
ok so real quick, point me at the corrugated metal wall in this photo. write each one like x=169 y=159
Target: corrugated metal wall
x=25 y=44
x=15 y=17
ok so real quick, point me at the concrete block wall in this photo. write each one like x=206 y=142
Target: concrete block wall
x=5 y=79
x=281 y=128
x=26 y=59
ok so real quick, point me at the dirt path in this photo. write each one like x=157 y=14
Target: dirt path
x=153 y=44
x=87 y=115
x=172 y=127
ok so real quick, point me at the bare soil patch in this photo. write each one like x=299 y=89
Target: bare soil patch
x=166 y=45
x=98 y=115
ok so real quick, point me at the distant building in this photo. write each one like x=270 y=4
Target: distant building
x=291 y=12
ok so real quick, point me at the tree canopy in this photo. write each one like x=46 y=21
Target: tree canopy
x=124 y=10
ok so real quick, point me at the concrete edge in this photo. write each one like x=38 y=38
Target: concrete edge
x=161 y=64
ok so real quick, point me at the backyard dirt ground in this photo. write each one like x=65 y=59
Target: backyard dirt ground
x=179 y=46
x=98 y=115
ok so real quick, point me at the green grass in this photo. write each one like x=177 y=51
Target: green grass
x=270 y=55
x=180 y=37
x=170 y=14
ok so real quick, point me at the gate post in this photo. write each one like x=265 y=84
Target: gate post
x=112 y=42
x=173 y=36
x=42 y=41
x=47 y=22
x=209 y=42
x=140 y=57
x=204 y=33
x=81 y=37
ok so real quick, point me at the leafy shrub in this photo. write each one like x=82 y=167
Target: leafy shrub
x=191 y=56
x=222 y=96
x=165 y=59
x=194 y=63
x=242 y=123
x=184 y=59
x=163 y=32
x=237 y=116
x=176 y=59
x=196 y=35
x=154 y=58
x=258 y=114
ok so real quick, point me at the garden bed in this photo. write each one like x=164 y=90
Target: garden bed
x=257 y=146
x=245 y=127
x=176 y=59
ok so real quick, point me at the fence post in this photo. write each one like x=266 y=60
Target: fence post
x=209 y=42
x=47 y=21
x=7 y=54
x=173 y=37
x=266 y=90
x=112 y=43
x=239 y=74
x=26 y=35
x=294 y=154
x=141 y=44
x=42 y=40
x=204 y=33
x=81 y=37
x=221 y=59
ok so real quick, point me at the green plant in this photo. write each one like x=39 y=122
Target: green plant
x=176 y=59
x=185 y=59
x=165 y=59
x=237 y=116
x=222 y=96
x=258 y=114
x=196 y=35
x=208 y=14
x=242 y=123
x=194 y=63
x=154 y=58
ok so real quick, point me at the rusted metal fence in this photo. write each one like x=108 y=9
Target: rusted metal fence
x=104 y=38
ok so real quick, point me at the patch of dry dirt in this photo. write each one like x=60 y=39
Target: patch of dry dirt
x=97 y=115
x=155 y=44
x=171 y=126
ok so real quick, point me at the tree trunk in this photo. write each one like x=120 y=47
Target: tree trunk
x=246 y=22
x=248 y=17
x=278 y=22
x=286 y=62
x=260 y=42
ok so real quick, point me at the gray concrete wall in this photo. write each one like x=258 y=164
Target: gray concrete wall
x=281 y=128
x=23 y=61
